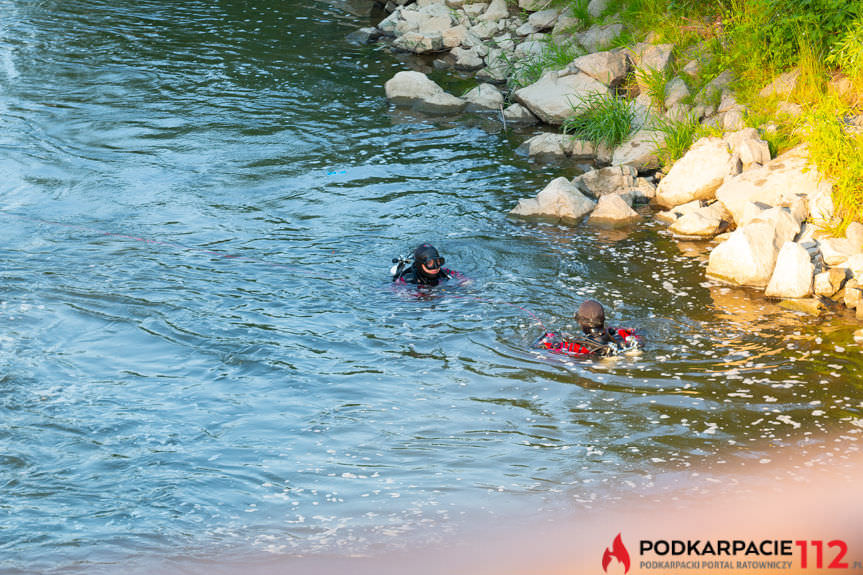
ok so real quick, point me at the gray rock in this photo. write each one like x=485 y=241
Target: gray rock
x=552 y=99
x=789 y=109
x=547 y=146
x=597 y=7
x=454 y=37
x=747 y=145
x=530 y=48
x=485 y=30
x=675 y=92
x=700 y=224
x=697 y=175
x=544 y=19
x=854 y=234
x=533 y=5
x=782 y=85
x=610 y=68
x=416 y=90
x=836 y=251
x=518 y=115
x=604 y=181
x=680 y=113
x=652 y=57
x=613 y=210
x=733 y=120
x=363 y=36
x=793 y=275
x=388 y=25
x=692 y=68
x=419 y=43
x=466 y=59
x=496 y=11
x=829 y=283
x=599 y=37
x=639 y=151
x=559 y=199
x=786 y=225
x=566 y=23
x=713 y=90
x=484 y=97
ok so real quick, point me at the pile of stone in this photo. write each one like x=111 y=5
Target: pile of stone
x=764 y=212
x=606 y=194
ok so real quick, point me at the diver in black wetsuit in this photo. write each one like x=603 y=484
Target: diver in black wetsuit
x=596 y=339
x=426 y=269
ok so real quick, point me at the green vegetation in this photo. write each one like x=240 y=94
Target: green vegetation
x=602 y=120
x=654 y=83
x=678 y=137
x=527 y=70
x=837 y=149
x=758 y=40
x=847 y=53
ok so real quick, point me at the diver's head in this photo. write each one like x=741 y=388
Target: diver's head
x=427 y=260
x=591 y=317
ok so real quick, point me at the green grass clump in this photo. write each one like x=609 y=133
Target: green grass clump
x=837 y=151
x=654 y=83
x=555 y=55
x=602 y=120
x=847 y=53
x=677 y=138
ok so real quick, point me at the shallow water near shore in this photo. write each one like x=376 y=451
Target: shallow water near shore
x=201 y=355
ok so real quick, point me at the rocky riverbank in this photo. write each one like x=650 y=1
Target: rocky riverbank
x=765 y=215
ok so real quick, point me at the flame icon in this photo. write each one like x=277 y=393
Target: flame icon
x=619 y=552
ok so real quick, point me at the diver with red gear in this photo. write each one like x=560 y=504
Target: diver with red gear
x=596 y=339
x=425 y=269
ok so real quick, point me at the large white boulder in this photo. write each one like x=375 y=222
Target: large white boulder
x=793 y=274
x=697 y=175
x=778 y=183
x=747 y=257
x=416 y=90
x=552 y=99
x=559 y=199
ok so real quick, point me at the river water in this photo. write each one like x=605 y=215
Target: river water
x=201 y=354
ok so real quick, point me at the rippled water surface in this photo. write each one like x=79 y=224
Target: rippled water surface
x=201 y=354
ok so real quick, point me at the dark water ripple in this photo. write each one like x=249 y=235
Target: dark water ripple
x=199 y=349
